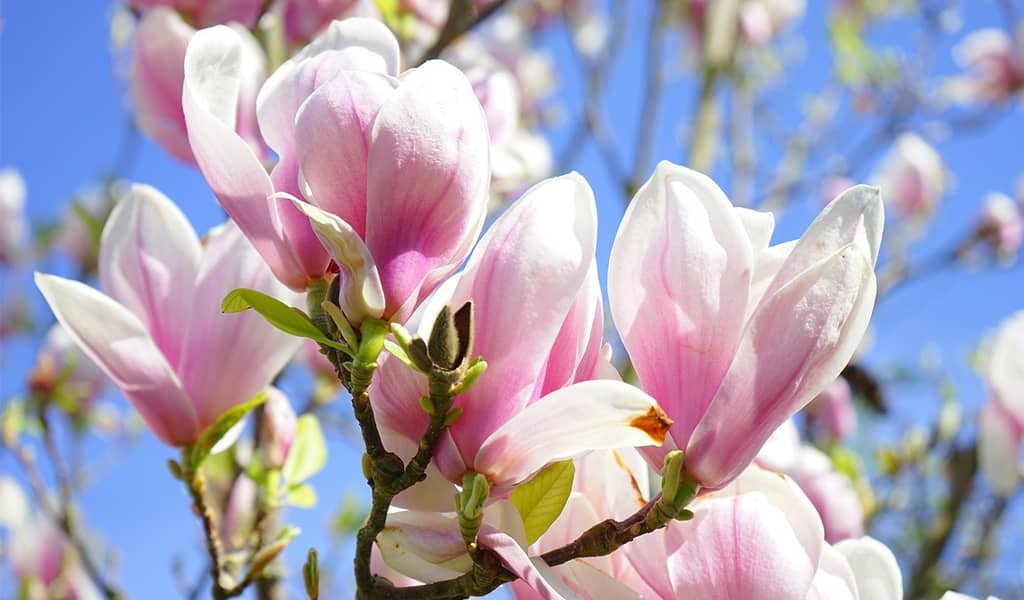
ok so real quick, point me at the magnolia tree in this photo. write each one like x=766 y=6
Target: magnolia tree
x=710 y=423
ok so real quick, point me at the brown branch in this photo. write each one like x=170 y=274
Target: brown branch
x=461 y=19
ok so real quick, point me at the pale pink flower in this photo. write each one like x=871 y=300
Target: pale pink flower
x=311 y=358
x=1001 y=224
x=1001 y=424
x=40 y=551
x=833 y=412
x=239 y=507
x=703 y=304
x=995 y=67
x=832 y=494
x=391 y=172
x=205 y=13
x=158 y=331
x=912 y=177
x=13 y=224
x=874 y=567
x=304 y=19
x=277 y=431
x=538 y=324
x=158 y=75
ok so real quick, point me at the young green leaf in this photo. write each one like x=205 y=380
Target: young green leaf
x=308 y=453
x=286 y=318
x=197 y=452
x=541 y=499
x=302 y=496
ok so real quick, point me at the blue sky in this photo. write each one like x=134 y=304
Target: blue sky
x=63 y=107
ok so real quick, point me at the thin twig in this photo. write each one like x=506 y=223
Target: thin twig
x=460 y=20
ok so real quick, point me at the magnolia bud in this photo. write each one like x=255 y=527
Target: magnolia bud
x=277 y=430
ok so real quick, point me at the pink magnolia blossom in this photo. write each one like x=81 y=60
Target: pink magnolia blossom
x=158 y=331
x=538 y=324
x=759 y=21
x=158 y=75
x=238 y=512
x=40 y=551
x=304 y=19
x=1001 y=424
x=703 y=304
x=13 y=225
x=759 y=539
x=1001 y=224
x=205 y=13
x=833 y=412
x=832 y=494
x=277 y=431
x=390 y=172
x=912 y=177
x=995 y=67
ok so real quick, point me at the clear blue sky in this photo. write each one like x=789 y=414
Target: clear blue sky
x=62 y=114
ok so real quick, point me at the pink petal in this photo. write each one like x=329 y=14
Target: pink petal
x=874 y=568
x=157 y=75
x=212 y=80
x=834 y=579
x=333 y=142
x=428 y=177
x=149 y=256
x=118 y=342
x=593 y=415
x=232 y=357
x=534 y=573
x=531 y=264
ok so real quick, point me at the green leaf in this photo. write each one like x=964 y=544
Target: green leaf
x=197 y=452
x=541 y=499
x=302 y=496
x=286 y=318
x=308 y=453
x=400 y=353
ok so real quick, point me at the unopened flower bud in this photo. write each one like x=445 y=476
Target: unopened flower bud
x=277 y=430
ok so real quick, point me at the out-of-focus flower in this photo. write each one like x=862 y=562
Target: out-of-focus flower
x=204 y=13
x=158 y=331
x=238 y=512
x=832 y=494
x=13 y=227
x=995 y=68
x=701 y=301
x=40 y=552
x=1001 y=425
x=62 y=366
x=519 y=157
x=757 y=21
x=392 y=172
x=536 y=403
x=277 y=431
x=305 y=19
x=158 y=74
x=318 y=364
x=1001 y=225
x=833 y=411
x=912 y=176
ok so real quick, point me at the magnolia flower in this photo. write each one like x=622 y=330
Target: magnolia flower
x=832 y=494
x=757 y=539
x=311 y=358
x=1001 y=225
x=757 y=21
x=158 y=74
x=277 y=431
x=703 y=305
x=912 y=176
x=832 y=410
x=951 y=595
x=158 y=331
x=538 y=324
x=238 y=512
x=41 y=552
x=62 y=363
x=205 y=13
x=391 y=171
x=13 y=227
x=304 y=19
x=874 y=568
x=519 y=157
x=1001 y=425
x=995 y=67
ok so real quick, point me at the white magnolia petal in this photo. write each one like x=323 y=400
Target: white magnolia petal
x=426 y=546
x=874 y=567
x=593 y=415
x=362 y=294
